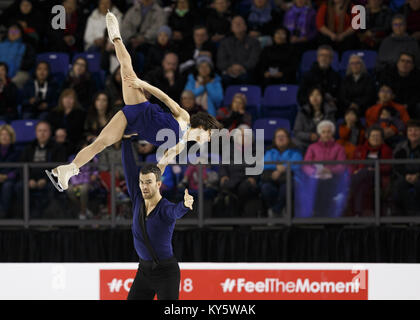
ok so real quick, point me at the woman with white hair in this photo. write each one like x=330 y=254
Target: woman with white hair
x=357 y=89
x=322 y=185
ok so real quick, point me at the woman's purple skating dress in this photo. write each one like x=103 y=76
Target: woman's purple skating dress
x=146 y=119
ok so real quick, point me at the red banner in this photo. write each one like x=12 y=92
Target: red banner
x=251 y=284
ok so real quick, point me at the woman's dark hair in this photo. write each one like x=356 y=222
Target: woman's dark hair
x=92 y=112
x=358 y=122
x=3 y=64
x=48 y=67
x=17 y=25
x=413 y=123
x=86 y=62
x=375 y=128
x=310 y=91
x=205 y=121
x=152 y=168
x=291 y=145
x=285 y=30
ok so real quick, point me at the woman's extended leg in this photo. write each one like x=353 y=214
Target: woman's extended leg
x=114 y=130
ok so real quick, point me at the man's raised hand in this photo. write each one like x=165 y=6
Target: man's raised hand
x=188 y=199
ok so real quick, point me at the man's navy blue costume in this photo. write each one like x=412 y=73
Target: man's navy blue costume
x=164 y=278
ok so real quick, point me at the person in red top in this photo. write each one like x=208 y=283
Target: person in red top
x=333 y=21
x=386 y=97
x=351 y=133
x=362 y=184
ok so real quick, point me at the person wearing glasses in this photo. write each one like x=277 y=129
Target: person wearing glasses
x=399 y=41
x=404 y=78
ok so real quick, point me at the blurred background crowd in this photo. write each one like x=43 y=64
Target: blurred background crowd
x=321 y=90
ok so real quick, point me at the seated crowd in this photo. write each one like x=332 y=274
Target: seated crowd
x=195 y=50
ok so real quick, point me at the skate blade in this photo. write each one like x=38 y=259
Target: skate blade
x=54 y=182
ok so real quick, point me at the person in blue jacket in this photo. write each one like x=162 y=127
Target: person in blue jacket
x=206 y=85
x=273 y=186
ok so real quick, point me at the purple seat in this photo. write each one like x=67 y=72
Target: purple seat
x=93 y=59
x=283 y=95
x=368 y=56
x=2 y=122
x=25 y=130
x=270 y=125
x=58 y=61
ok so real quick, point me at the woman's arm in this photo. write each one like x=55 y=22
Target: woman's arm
x=136 y=83
x=170 y=154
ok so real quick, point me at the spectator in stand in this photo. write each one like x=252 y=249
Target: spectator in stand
x=362 y=184
x=60 y=138
x=351 y=133
x=218 y=20
x=404 y=79
x=399 y=41
x=333 y=21
x=273 y=179
x=144 y=149
x=321 y=74
x=96 y=25
x=322 y=187
x=70 y=116
x=393 y=127
x=182 y=20
x=263 y=18
x=30 y=19
x=18 y=54
x=8 y=95
x=200 y=46
x=300 y=21
x=357 y=90
x=278 y=63
x=167 y=77
x=8 y=153
x=141 y=23
x=84 y=186
x=158 y=50
x=238 y=55
x=406 y=186
x=39 y=94
x=238 y=192
x=42 y=149
x=378 y=24
x=236 y=115
x=411 y=12
x=206 y=86
x=113 y=88
x=80 y=79
x=98 y=115
x=71 y=38
x=386 y=98
x=190 y=179
x=315 y=110
x=188 y=102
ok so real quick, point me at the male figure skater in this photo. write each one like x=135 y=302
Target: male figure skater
x=158 y=271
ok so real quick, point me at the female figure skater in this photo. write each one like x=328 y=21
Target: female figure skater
x=138 y=117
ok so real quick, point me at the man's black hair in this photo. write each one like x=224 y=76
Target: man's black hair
x=152 y=168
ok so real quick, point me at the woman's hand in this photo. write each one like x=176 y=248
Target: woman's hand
x=126 y=136
x=188 y=200
x=134 y=82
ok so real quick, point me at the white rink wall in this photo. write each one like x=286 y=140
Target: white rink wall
x=82 y=281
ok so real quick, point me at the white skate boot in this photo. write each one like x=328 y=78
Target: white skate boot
x=112 y=26
x=63 y=174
